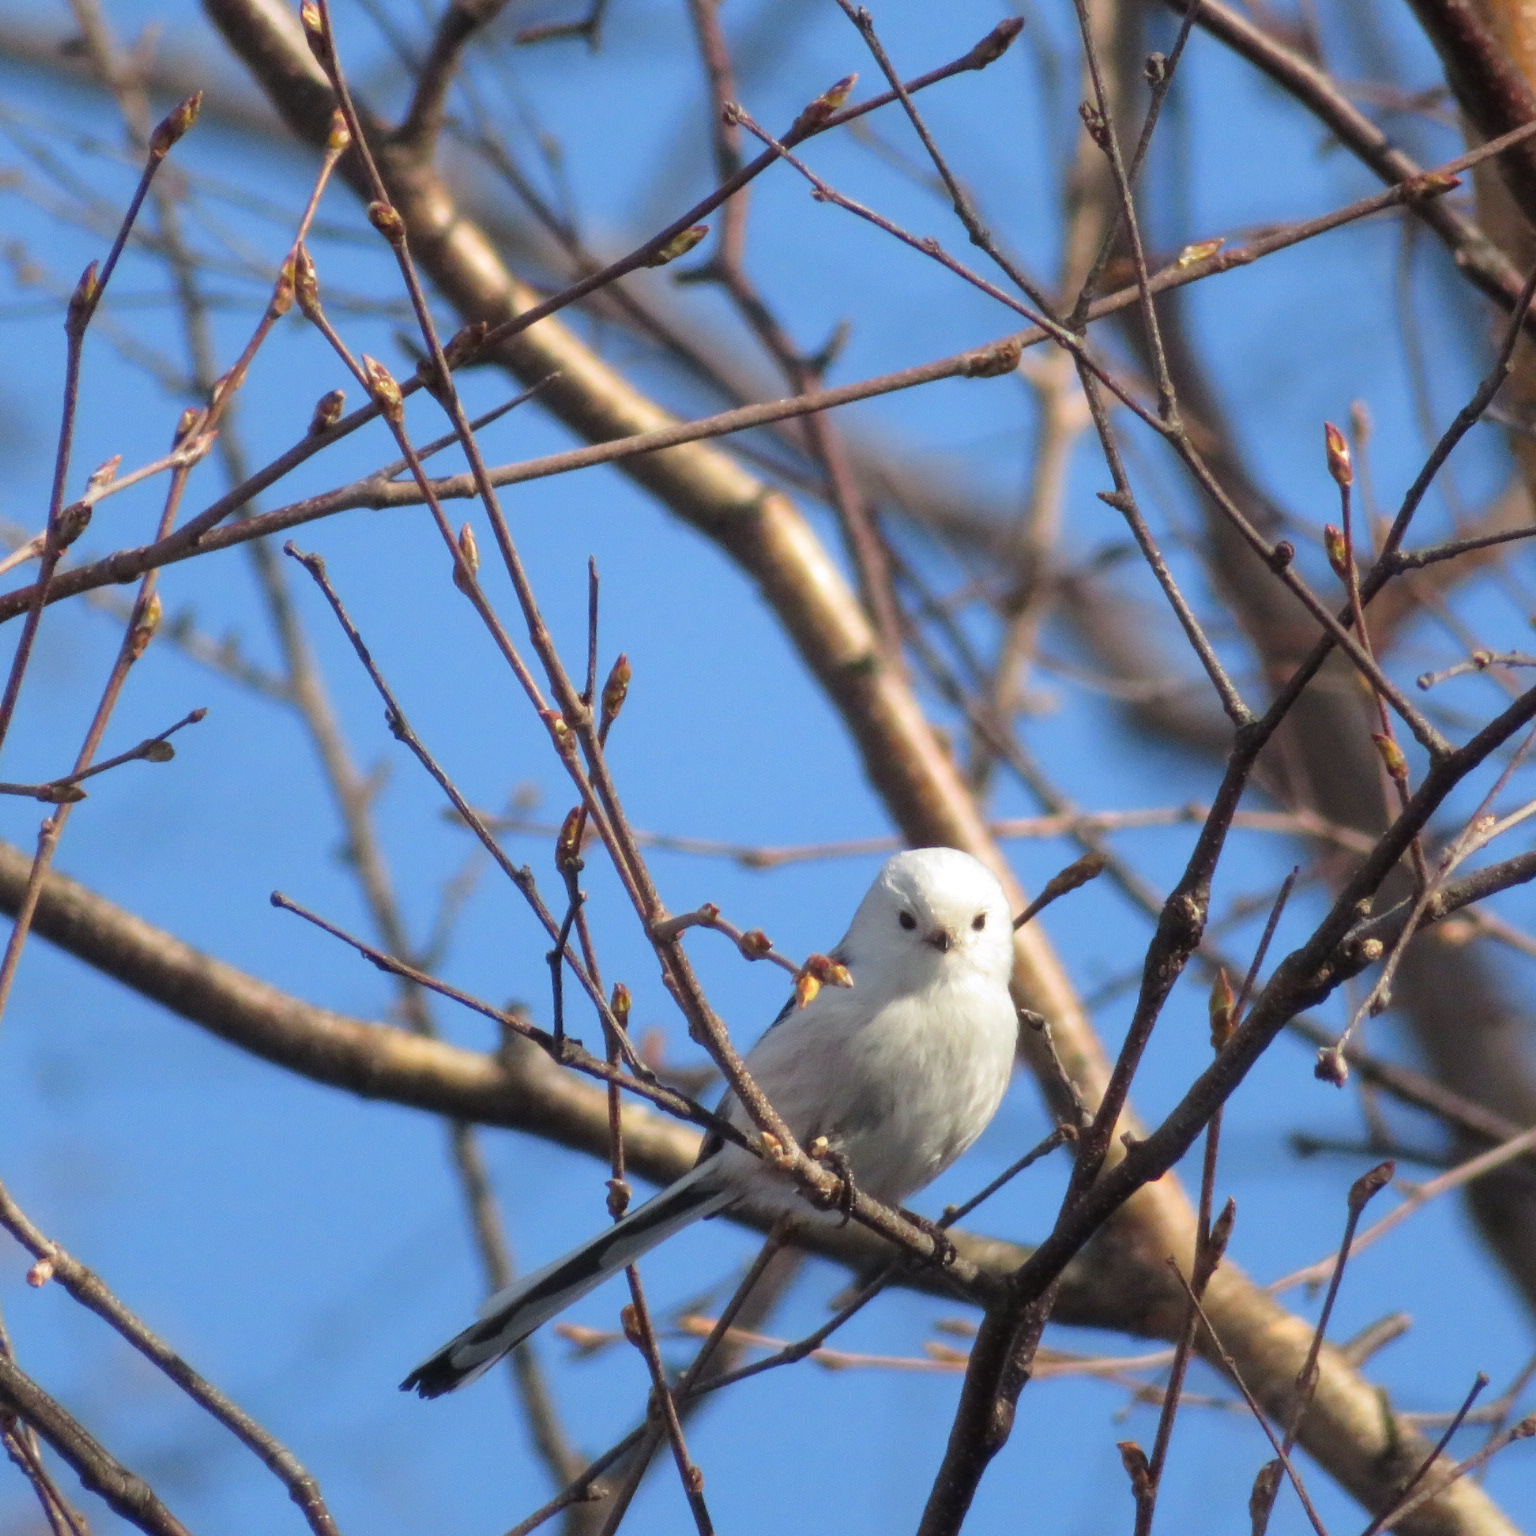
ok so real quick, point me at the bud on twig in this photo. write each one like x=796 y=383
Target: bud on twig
x=1093 y=121
x=144 y=631
x=621 y=1003
x=469 y=554
x=755 y=944
x=465 y=343
x=1340 y=466
x=385 y=391
x=385 y=218
x=993 y=362
x=1220 y=1007
x=314 y=34
x=328 y=409
x=1134 y=1460
x=1221 y=1235
x=81 y=302
x=806 y=988
x=679 y=245
x=815 y=116
x=173 y=125
x=1281 y=555
x=615 y=691
x=1338 y=556
x=72 y=521
x=306 y=283
x=1331 y=1066
x=40 y=1273
x=1369 y=1185
x=339 y=138
x=995 y=44
x=282 y=291
x=568 y=843
x=1201 y=250
x=1391 y=756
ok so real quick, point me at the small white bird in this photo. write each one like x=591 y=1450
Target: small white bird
x=900 y=1073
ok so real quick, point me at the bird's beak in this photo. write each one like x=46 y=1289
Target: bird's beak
x=942 y=940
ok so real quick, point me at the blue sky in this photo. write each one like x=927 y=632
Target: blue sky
x=303 y=1248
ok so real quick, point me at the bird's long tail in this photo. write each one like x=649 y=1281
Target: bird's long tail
x=512 y=1314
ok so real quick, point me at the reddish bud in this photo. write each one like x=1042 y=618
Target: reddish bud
x=385 y=218
x=173 y=125
x=1340 y=465
x=616 y=690
x=1331 y=1066
x=1333 y=547
x=328 y=409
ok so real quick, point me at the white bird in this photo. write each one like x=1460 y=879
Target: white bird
x=900 y=1073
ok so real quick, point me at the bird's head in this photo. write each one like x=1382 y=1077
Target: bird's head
x=934 y=910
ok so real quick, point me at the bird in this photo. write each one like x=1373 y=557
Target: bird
x=899 y=1073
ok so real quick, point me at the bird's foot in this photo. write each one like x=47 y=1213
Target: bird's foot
x=944 y=1251
x=842 y=1198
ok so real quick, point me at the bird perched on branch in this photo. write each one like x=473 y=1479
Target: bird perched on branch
x=899 y=1073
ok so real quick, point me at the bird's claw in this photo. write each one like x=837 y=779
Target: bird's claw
x=944 y=1251
x=843 y=1197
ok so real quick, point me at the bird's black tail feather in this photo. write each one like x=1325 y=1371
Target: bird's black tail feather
x=511 y=1315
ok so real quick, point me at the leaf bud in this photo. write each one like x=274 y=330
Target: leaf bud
x=996 y=43
x=72 y=521
x=82 y=301
x=40 y=1273
x=1093 y=121
x=1340 y=465
x=1134 y=1460
x=1391 y=756
x=1201 y=250
x=469 y=559
x=306 y=283
x=993 y=362
x=679 y=245
x=385 y=391
x=816 y=114
x=339 y=138
x=568 y=843
x=1331 y=1066
x=755 y=944
x=282 y=291
x=806 y=988
x=465 y=343
x=173 y=125
x=1338 y=556
x=157 y=750
x=621 y=1003
x=314 y=33
x=1220 y=1006
x=328 y=409
x=616 y=690
x=144 y=630
x=59 y=794
x=1369 y=1185
x=385 y=218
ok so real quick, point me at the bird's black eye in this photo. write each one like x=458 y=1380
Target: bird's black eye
x=979 y=921
x=908 y=921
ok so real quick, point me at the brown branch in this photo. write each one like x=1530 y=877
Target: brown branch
x=92 y=1293
x=125 y=1493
